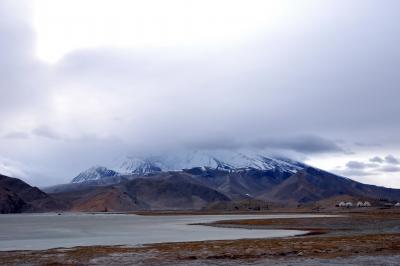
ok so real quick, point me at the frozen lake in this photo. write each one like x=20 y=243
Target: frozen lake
x=44 y=231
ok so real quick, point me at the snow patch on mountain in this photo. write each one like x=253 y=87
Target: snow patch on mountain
x=94 y=173
x=229 y=161
x=226 y=161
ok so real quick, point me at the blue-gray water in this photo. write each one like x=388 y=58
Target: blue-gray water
x=44 y=231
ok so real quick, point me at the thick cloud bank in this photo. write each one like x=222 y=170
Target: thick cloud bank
x=324 y=84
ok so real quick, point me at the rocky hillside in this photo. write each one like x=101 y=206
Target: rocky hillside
x=17 y=196
x=275 y=181
x=166 y=191
x=97 y=173
x=311 y=185
x=199 y=188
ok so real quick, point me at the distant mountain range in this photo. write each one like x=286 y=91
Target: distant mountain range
x=191 y=181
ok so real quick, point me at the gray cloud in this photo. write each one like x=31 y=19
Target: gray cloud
x=295 y=90
x=392 y=160
x=307 y=144
x=377 y=159
x=23 y=80
x=46 y=132
x=16 y=135
x=360 y=165
x=390 y=169
x=11 y=168
x=349 y=172
x=362 y=144
x=376 y=167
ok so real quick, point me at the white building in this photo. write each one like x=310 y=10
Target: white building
x=349 y=204
x=363 y=204
x=397 y=204
x=342 y=204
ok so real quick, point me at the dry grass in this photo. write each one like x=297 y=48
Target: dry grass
x=311 y=247
x=355 y=222
x=248 y=249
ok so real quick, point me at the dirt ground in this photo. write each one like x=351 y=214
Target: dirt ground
x=363 y=238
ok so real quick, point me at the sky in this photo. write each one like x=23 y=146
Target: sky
x=84 y=82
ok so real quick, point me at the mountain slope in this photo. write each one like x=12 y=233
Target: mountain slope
x=106 y=199
x=10 y=202
x=200 y=187
x=136 y=166
x=18 y=196
x=175 y=192
x=96 y=173
x=311 y=185
x=229 y=161
x=239 y=184
x=172 y=191
x=194 y=180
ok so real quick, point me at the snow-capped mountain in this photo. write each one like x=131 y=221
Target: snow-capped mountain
x=94 y=173
x=136 y=166
x=226 y=161
x=213 y=177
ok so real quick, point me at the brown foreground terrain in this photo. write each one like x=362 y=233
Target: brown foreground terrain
x=364 y=238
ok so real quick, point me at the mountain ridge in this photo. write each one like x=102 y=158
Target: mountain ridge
x=224 y=161
x=94 y=173
x=199 y=188
x=194 y=183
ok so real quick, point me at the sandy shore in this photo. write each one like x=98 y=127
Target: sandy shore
x=369 y=238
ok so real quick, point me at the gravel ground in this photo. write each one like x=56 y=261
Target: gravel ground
x=352 y=261
x=390 y=260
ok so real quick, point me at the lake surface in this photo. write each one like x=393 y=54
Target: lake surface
x=44 y=231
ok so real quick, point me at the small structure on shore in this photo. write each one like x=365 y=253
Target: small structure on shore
x=345 y=204
x=397 y=204
x=363 y=204
x=349 y=204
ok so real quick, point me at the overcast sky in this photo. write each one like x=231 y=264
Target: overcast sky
x=83 y=82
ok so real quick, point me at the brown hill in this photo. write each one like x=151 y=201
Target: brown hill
x=106 y=199
x=167 y=191
x=193 y=189
x=311 y=185
x=17 y=196
x=199 y=189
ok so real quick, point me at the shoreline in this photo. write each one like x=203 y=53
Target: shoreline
x=331 y=239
